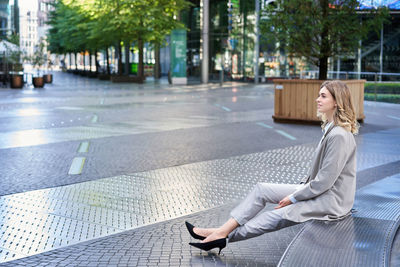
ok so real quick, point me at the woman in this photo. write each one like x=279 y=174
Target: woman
x=327 y=193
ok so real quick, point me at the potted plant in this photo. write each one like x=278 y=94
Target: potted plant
x=48 y=77
x=38 y=59
x=13 y=55
x=17 y=78
x=315 y=31
x=16 y=74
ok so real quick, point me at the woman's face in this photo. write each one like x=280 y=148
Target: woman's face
x=325 y=102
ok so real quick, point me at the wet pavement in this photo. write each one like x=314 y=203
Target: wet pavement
x=102 y=173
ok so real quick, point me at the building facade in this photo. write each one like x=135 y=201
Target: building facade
x=29 y=37
x=232 y=40
x=33 y=27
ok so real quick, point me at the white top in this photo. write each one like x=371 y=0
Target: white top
x=327 y=126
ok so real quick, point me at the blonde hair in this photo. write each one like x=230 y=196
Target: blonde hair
x=344 y=114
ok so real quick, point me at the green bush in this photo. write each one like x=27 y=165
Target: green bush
x=390 y=98
x=382 y=88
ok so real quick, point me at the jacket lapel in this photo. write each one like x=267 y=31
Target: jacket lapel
x=317 y=155
x=327 y=132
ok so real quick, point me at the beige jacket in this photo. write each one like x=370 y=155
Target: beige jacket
x=329 y=189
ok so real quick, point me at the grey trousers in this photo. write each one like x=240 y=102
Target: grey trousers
x=253 y=222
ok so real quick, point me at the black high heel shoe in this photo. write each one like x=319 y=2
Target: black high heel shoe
x=219 y=243
x=192 y=233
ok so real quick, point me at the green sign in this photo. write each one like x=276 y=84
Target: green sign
x=134 y=68
x=178 y=53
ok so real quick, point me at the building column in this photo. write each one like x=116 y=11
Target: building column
x=257 y=44
x=205 y=41
x=337 y=69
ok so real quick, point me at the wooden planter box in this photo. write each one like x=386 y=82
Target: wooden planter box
x=295 y=100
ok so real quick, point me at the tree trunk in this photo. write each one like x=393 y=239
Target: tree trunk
x=119 y=50
x=323 y=68
x=140 y=67
x=84 y=63
x=90 y=61
x=325 y=49
x=70 y=61
x=108 y=62
x=76 y=61
x=126 y=46
x=95 y=62
x=157 y=66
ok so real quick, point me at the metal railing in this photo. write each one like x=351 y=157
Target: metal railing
x=369 y=76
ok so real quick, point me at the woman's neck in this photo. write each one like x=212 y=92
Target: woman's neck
x=329 y=117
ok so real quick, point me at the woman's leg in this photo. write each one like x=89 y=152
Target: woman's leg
x=223 y=231
x=249 y=208
x=257 y=199
x=267 y=221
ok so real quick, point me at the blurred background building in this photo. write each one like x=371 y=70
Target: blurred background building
x=32 y=20
x=9 y=18
x=232 y=39
x=232 y=42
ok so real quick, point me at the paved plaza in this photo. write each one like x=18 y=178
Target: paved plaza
x=101 y=174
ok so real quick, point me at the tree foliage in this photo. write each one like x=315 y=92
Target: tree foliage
x=81 y=25
x=320 y=29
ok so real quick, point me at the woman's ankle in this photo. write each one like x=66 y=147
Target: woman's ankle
x=204 y=231
x=221 y=233
x=214 y=236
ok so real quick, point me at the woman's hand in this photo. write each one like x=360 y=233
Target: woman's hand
x=284 y=202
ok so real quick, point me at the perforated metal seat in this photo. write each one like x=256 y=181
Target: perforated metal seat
x=364 y=239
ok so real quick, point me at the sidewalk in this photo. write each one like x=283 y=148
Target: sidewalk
x=156 y=155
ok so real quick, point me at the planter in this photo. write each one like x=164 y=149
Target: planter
x=103 y=76
x=92 y=74
x=48 y=78
x=295 y=100
x=17 y=81
x=38 y=82
x=126 y=79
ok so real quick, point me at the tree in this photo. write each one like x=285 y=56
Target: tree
x=68 y=29
x=39 y=57
x=320 y=29
x=140 y=21
x=80 y=25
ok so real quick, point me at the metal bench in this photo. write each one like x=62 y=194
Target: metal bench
x=363 y=239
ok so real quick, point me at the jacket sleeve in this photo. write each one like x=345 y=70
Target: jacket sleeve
x=333 y=162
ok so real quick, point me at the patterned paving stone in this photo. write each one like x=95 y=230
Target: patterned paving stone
x=146 y=245
x=46 y=219
x=83 y=211
x=165 y=151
